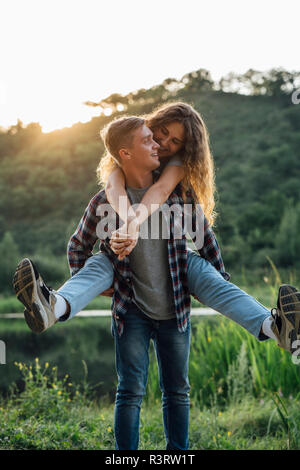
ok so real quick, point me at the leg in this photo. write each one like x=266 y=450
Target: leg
x=212 y=290
x=132 y=361
x=172 y=351
x=93 y=278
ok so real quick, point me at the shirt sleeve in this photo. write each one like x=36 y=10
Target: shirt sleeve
x=175 y=161
x=210 y=249
x=81 y=243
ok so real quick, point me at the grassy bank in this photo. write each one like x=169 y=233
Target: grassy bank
x=225 y=360
x=245 y=394
x=54 y=413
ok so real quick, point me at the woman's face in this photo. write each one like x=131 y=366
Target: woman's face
x=170 y=137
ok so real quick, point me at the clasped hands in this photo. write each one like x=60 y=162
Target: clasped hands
x=122 y=243
x=125 y=238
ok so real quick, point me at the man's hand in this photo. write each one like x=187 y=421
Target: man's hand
x=121 y=244
x=125 y=238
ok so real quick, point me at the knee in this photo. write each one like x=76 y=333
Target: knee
x=131 y=394
x=131 y=385
x=100 y=262
x=179 y=388
x=128 y=399
x=201 y=270
x=176 y=398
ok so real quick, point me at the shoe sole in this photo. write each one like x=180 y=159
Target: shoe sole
x=34 y=319
x=289 y=305
x=24 y=283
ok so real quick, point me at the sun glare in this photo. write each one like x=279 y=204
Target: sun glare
x=65 y=54
x=65 y=118
x=107 y=111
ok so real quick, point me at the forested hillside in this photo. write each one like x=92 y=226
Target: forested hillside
x=46 y=180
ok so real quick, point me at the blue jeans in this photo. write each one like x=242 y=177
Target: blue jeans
x=132 y=361
x=204 y=281
x=172 y=347
x=213 y=290
x=96 y=276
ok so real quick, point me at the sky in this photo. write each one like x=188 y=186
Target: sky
x=56 y=54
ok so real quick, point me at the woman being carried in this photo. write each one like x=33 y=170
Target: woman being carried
x=186 y=159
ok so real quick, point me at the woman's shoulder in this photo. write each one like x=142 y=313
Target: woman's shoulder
x=175 y=160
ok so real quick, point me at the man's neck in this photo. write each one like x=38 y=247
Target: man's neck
x=138 y=179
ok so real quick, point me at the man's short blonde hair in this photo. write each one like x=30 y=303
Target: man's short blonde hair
x=119 y=134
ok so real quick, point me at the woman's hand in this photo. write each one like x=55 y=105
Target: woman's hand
x=122 y=248
x=125 y=238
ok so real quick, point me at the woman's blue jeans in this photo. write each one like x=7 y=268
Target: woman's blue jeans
x=204 y=281
x=132 y=361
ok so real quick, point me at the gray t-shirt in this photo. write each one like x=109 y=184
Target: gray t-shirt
x=149 y=263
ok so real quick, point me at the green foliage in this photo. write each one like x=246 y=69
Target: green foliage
x=290 y=424
x=53 y=413
x=9 y=256
x=67 y=344
x=45 y=395
x=47 y=180
x=287 y=240
x=238 y=379
x=227 y=364
x=53 y=268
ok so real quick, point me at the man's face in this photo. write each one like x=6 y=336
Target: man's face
x=143 y=150
x=170 y=137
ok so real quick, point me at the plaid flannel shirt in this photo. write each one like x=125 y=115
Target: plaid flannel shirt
x=81 y=244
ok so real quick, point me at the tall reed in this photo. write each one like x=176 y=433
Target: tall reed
x=227 y=362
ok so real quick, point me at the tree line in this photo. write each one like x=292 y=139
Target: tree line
x=46 y=180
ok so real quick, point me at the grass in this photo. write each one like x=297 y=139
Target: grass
x=52 y=413
x=244 y=394
x=226 y=362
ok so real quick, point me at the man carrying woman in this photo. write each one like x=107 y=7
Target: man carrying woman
x=152 y=279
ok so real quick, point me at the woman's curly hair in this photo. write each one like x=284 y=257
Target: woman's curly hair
x=196 y=156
